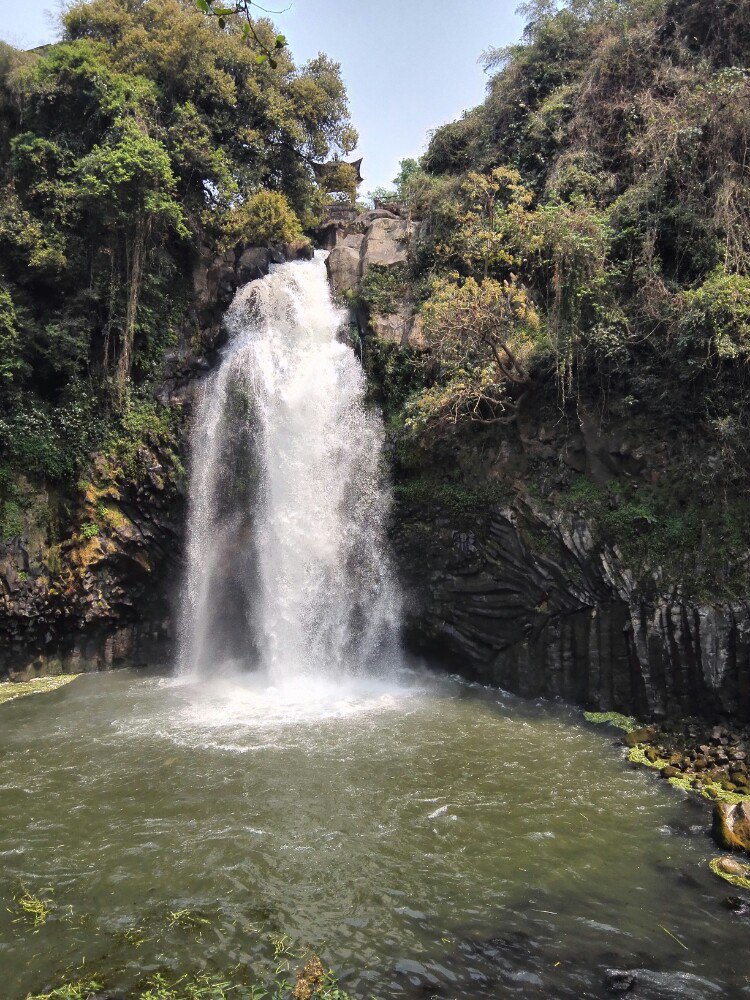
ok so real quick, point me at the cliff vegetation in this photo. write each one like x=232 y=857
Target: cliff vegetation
x=147 y=141
x=582 y=270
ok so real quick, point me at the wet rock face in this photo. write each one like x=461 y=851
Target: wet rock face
x=564 y=619
x=345 y=263
x=217 y=278
x=103 y=597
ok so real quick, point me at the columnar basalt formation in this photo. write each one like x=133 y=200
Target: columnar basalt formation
x=565 y=619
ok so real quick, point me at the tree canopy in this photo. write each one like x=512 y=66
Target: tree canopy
x=148 y=132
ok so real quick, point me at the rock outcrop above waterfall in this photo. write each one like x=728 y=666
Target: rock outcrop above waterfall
x=366 y=266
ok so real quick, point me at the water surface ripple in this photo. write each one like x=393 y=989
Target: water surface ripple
x=427 y=838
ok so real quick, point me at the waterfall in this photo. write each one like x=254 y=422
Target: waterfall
x=288 y=568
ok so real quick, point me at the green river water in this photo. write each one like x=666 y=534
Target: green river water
x=427 y=838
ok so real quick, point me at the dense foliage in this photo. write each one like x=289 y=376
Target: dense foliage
x=606 y=178
x=148 y=134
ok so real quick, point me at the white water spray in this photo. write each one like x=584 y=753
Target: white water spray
x=288 y=570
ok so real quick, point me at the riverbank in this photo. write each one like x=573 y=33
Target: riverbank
x=708 y=759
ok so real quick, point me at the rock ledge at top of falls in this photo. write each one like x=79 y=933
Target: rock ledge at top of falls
x=216 y=278
x=380 y=239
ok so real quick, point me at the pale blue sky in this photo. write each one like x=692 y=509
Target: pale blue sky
x=409 y=65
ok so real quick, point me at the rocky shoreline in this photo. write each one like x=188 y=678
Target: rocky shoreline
x=704 y=758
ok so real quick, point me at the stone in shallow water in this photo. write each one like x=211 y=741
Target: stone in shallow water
x=737 y=905
x=731 y=826
x=645 y=735
x=10 y=690
x=619 y=981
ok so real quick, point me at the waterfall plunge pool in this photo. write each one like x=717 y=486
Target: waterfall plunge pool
x=427 y=838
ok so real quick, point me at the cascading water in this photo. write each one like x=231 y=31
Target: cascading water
x=288 y=570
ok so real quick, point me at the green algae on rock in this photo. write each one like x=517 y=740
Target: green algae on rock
x=625 y=722
x=689 y=782
x=731 y=871
x=10 y=690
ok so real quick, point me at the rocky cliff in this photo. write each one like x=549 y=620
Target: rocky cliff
x=525 y=598
x=523 y=565
x=530 y=557
x=100 y=597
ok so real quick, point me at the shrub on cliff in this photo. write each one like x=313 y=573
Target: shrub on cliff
x=483 y=336
x=607 y=173
x=265 y=218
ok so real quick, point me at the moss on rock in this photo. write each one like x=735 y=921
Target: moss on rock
x=10 y=690
x=731 y=871
x=687 y=782
x=624 y=722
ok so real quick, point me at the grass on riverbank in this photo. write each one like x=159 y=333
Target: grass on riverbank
x=10 y=690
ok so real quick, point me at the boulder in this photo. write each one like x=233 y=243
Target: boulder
x=619 y=981
x=344 y=264
x=729 y=866
x=300 y=250
x=645 y=735
x=731 y=825
x=387 y=242
x=254 y=263
x=221 y=280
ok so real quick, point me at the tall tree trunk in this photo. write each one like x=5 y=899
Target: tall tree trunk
x=137 y=261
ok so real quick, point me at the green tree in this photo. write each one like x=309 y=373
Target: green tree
x=142 y=138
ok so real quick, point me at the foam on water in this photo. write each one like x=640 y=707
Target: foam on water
x=257 y=702
x=241 y=712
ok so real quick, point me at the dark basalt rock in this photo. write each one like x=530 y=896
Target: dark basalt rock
x=109 y=601
x=566 y=619
x=618 y=981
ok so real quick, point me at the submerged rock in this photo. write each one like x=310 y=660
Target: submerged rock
x=619 y=981
x=737 y=905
